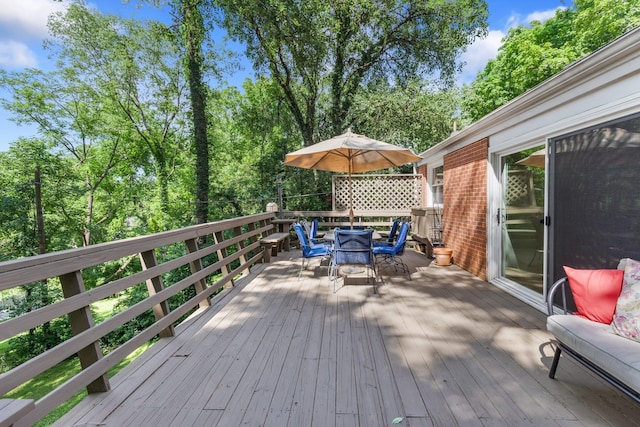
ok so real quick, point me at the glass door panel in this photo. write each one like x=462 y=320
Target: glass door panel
x=522 y=217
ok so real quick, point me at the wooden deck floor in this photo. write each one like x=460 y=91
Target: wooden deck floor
x=443 y=349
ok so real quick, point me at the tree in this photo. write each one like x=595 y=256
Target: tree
x=416 y=116
x=193 y=34
x=530 y=55
x=72 y=120
x=18 y=230
x=255 y=136
x=319 y=47
x=115 y=105
x=136 y=69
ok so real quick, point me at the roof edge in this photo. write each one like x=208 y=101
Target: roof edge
x=571 y=76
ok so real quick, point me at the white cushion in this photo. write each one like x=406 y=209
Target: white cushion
x=618 y=356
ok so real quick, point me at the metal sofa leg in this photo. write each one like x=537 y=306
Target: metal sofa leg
x=554 y=364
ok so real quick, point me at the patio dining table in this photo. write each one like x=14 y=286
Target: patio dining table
x=330 y=236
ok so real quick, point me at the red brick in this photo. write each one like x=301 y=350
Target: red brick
x=465 y=206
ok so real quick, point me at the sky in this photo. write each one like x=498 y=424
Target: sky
x=23 y=28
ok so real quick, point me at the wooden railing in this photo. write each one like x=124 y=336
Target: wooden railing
x=217 y=253
x=330 y=219
x=425 y=222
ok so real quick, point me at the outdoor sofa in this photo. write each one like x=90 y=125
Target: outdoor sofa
x=603 y=334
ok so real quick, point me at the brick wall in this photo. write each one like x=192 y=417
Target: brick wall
x=464 y=214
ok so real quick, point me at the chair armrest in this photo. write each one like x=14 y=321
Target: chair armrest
x=562 y=285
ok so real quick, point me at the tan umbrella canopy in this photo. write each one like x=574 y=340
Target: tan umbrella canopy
x=534 y=159
x=350 y=153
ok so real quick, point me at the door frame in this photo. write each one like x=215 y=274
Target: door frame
x=495 y=210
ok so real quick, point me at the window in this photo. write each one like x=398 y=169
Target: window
x=437 y=185
x=437 y=190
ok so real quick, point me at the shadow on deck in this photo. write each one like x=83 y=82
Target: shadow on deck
x=442 y=349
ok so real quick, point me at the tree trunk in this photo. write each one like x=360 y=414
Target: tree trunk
x=193 y=38
x=86 y=234
x=42 y=248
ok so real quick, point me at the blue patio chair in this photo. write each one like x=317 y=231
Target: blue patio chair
x=311 y=228
x=392 y=255
x=309 y=249
x=391 y=237
x=352 y=247
x=314 y=235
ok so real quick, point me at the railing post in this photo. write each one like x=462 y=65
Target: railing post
x=154 y=285
x=253 y=239
x=196 y=265
x=218 y=237
x=237 y=231
x=80 y=321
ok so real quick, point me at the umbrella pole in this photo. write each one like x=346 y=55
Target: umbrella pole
x=350 y=269
x=350 y=193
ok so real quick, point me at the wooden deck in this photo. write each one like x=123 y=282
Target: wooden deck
x=443 y=349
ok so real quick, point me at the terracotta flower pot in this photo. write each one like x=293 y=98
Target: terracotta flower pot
x=443 y=256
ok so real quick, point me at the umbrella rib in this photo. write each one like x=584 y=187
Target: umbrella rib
x=324 y=156
x=379 y=152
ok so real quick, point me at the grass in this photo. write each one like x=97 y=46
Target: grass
x=41 y=385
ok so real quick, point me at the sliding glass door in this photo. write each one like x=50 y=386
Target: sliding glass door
x=522 y=217
x=595 y=208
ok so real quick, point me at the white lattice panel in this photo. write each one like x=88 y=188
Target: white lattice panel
x=378 y=192
x=520 y=189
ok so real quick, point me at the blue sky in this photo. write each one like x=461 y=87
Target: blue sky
x=23 y=27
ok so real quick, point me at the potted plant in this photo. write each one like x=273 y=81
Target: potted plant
x=443 y=256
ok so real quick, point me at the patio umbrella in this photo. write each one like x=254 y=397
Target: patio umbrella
x=350 y=153
x=535 y=159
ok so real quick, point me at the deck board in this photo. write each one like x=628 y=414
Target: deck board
x=442 y=349
x=324 y=408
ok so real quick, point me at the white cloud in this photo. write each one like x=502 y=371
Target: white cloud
x=23 y=26
x=27 y=19
x=478 y=54
x=16 y=55
x=516 y=19
x=482 y=50
x=543 y=15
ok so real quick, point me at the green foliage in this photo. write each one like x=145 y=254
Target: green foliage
x=193 y=34
x=135 y=71
x=139 y=292
x=44 y=383
x=130 y=329
x=27 y=346
x=44 y=337
x=530 y=55
x=18 y=233
x=317 y=47
x=415 y=116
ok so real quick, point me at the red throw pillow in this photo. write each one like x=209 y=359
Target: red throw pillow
x=595 y=292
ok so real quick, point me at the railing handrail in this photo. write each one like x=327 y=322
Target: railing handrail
x=13 y=273
x=345 y=213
